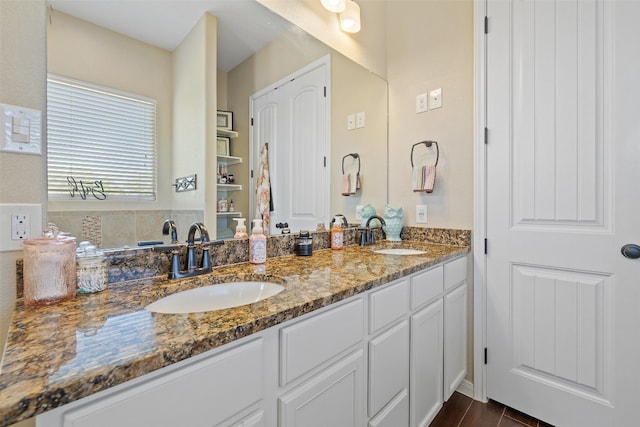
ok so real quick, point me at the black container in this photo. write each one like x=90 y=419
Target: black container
x=303 y=245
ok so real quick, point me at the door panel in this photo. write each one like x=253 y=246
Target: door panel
x=293 y=118
x=564 y=142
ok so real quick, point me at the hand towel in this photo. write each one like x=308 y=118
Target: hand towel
x=346 y=185
x=430 y=177
x=416 y=178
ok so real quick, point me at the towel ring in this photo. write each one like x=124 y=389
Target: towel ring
x=427 y=144
x=355 y=156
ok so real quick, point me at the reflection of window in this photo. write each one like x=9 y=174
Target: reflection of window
x=97 y=133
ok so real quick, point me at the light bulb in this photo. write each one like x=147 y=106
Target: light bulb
x=350 y=17
x=336 y=6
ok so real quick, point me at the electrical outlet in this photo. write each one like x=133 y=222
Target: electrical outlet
x=360 y=120
x=359 y=212
x=421 y=214
x=19 y=223
x=20 y=226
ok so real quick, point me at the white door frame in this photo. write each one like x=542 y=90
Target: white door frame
x=479 y=204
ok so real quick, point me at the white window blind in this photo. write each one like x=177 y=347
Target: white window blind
x=99 y=135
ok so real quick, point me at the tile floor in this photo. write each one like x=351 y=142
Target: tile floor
x=462 y=411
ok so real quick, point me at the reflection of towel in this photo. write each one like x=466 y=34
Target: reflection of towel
x=263 y=189
x=349 y=184
x=423 y=178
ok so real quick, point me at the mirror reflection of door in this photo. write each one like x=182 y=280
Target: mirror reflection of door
x=292 y=117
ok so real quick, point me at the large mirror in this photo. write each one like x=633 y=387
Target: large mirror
x=91 y=52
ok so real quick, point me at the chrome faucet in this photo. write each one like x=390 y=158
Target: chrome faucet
x=367 y=237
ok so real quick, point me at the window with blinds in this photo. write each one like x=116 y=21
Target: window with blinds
x=101 y=142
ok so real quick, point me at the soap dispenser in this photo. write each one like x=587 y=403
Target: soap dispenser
x=241 y=229
x=257 y=244
x=337 y=233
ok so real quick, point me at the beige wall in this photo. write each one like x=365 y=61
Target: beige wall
x=354 y=89
x=421 y=58
x=84 y=51
x=194 y=117
x=22 y=82
x=366 y=47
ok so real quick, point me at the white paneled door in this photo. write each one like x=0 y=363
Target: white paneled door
x=563 y=156
x=292 y=117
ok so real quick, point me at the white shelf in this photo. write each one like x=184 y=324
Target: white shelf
x=229 y=160
x=229 y=187
x=227 y=133
x=230 y=214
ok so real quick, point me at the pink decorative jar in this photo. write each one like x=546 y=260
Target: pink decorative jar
x=49 y=270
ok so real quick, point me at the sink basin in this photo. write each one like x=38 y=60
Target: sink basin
x=215 y=297
x=399 y=251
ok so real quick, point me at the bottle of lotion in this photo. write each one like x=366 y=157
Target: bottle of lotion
x=257 y=244
x=337 y=234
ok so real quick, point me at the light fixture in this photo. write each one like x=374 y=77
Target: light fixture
x=350 y=17
x=336 y=6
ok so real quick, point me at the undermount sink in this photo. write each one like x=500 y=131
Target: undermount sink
x=399 y=251
x=215 y=297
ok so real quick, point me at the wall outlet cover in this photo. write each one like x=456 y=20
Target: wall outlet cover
x=359 y=212
x=435 y=98
x=421 y=214
x=12 y=219
x=421 y=103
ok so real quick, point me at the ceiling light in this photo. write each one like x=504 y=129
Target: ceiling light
x=336 y=6
x=350 y=17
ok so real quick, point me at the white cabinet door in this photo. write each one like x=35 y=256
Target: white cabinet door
x=426 y=364
x=203 y=393
x=455 y=339
x=388 y=366
x=256 y=419
x=395 y=414
x=334 y=397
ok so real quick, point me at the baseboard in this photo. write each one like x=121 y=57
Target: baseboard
x=466 y=388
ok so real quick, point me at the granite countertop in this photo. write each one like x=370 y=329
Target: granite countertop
x=61 y=353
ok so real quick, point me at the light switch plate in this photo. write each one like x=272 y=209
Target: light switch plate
x=8 y=210
x=421 y=103
x=435 y=98
x=20 y=129
x=351 y=122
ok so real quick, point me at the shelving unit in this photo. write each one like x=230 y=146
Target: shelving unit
x=224 y=223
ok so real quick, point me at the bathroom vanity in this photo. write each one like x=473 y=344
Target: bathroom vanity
x=355 y=338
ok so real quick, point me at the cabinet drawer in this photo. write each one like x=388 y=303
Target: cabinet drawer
x=314 y=341
x=426 y=286
x=215 y=389
x=388 y=305
x=455 y=272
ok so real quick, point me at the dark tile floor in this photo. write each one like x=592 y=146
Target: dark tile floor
x=462 y=411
